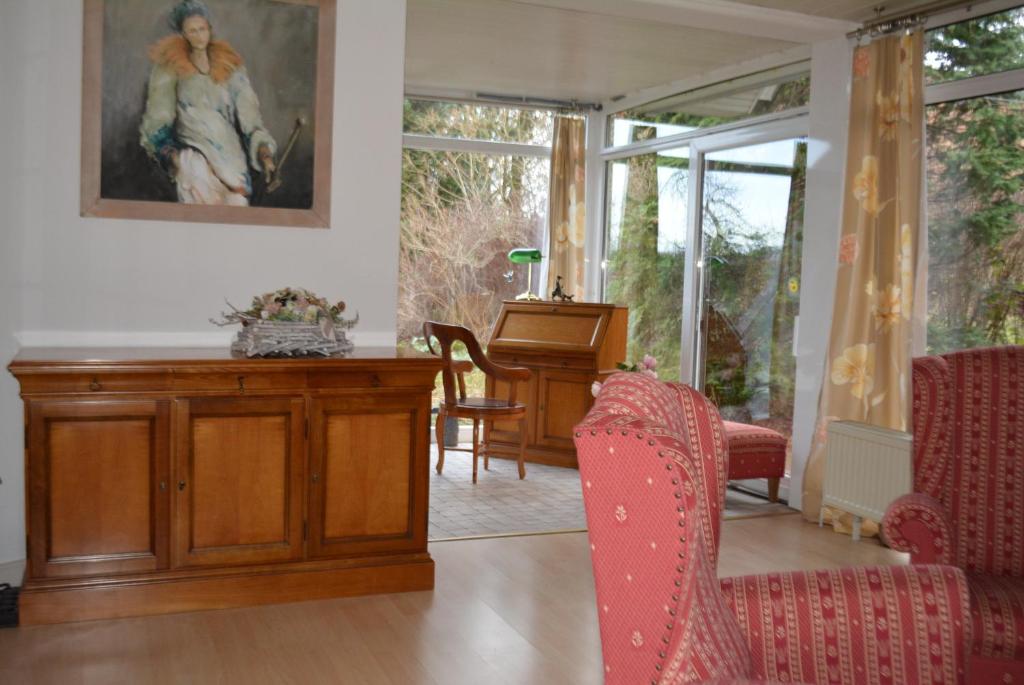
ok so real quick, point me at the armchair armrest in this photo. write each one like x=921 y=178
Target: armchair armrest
x=897 y=624
x=918 y=524
x=504 y=373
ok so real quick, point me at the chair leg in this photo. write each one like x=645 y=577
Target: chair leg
x=522 y=448
x=439 y=432
x=773 y=489
x=476 y=445
x=485 y=448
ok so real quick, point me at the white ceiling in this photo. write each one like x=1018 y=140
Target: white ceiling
x=592 y=50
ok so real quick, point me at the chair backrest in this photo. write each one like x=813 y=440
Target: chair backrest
x=653 y=462
x=969 y=451
x=446 y=335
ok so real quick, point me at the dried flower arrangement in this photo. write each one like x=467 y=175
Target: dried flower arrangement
x=289 y=322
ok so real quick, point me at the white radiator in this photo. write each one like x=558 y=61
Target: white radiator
x=867 y=467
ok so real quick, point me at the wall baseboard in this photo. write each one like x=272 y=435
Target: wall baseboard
x=219 y=338
x=12 y=572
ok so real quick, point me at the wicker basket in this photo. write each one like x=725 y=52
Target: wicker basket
x=260 y=338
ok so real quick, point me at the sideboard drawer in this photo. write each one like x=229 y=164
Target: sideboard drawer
x=94 y=383
x=238 y=381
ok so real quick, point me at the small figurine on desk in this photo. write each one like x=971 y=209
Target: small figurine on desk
x=557 y=293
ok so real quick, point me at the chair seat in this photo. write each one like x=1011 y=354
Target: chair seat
x=997 y=615
x=754 y=451
x=488 y=403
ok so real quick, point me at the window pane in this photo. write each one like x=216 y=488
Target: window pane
x=712 y=106
x=986 y=45
x=753 y=231
x=976 y=222
x=645 y=252
x=461 y=214
x=478 y=122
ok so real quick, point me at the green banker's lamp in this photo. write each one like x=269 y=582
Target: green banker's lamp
x=528 y=256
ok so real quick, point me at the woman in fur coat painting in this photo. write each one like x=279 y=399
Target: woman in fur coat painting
x=202 y=121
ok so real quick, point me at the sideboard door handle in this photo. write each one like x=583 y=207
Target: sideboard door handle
x=94 y=385
x=316 y=477
x=181 y=485
x=163 y=486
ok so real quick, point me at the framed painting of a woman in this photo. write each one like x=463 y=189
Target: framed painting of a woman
x=208 y=110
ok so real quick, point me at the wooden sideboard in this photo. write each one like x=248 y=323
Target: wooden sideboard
x=567 y=347
x=168 y=480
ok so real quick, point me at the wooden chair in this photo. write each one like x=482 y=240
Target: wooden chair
x=477 y=408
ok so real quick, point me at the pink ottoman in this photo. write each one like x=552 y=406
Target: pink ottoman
x=756 y=452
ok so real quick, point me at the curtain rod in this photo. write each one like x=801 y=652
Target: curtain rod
x=899 y=21
x=569 y=105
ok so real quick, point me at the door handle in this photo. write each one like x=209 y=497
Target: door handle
x=181 y=486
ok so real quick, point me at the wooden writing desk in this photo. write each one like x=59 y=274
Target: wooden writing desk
x=567 y=347
x=167 y=480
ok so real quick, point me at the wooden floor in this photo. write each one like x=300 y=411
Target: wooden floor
x=505 y=610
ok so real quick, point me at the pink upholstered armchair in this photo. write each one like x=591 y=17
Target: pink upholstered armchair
x=967 y=508
x=653 y=465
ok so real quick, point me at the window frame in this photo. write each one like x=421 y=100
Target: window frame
x=428 y=143
x=952 y=91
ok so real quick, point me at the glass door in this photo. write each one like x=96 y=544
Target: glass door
x=751 y=226
x=645 y=252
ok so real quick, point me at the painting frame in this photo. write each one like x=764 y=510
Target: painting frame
x=94 y=205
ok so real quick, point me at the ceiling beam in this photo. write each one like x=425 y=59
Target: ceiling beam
x=714 y=15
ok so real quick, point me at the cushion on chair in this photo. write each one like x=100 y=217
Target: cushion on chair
x=997 y=614
x=754 y=451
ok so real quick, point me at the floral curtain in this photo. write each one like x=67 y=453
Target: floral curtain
x=868 y=367
x=566 y=209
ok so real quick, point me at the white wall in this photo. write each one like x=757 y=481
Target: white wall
x=826 y=162
x=123 y=281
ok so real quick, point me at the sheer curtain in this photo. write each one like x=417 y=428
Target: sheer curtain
x=566 y=209
x=868 y=369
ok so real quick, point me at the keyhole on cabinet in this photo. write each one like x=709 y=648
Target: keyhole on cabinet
x=316 y=477
x=94 y=385
x=181 y=486
x=241 y=384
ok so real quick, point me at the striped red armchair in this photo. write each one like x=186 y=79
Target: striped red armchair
x=967 y=508
x=653 y=465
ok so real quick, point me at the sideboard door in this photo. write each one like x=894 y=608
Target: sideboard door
x=97 y=487
x=368 y=473
x=238 y=480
